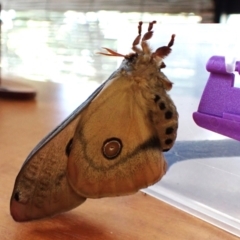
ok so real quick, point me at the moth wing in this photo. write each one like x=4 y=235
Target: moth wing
x=41 y=188
x=115 y=114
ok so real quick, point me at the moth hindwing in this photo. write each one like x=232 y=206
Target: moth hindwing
x=111 y=145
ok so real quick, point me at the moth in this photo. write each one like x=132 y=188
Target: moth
x=111 y=145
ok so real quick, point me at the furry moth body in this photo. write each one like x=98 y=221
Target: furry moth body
x=111 y=145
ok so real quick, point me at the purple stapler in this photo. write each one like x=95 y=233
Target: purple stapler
x=219 y=107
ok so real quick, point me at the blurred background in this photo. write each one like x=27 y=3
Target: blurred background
x=52 y=40
x=56 y=40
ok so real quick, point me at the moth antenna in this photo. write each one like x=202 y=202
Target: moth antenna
x=170 y=44
x=147 y=36
x=150 y=26
x=111 y=53
x=138 y=38
x=140 y=28
x=149 y=33
x=164 y=51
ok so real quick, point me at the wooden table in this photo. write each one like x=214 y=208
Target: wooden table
x=139 y=216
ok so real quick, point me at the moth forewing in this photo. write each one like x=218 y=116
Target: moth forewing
x=30 y=198
x=41 y=188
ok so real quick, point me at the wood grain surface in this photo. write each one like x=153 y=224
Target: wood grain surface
x=139 y=216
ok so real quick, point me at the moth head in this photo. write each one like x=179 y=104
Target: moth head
x=144 y=56
x=160 y=53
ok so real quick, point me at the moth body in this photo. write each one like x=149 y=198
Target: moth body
x=111 y=145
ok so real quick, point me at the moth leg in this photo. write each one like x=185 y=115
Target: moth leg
x=162 y=52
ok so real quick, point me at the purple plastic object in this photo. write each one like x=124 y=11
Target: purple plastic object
x=219 y=107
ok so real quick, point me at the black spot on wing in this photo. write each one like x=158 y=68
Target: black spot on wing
x=156 y=98
x=168 y=115
x=68 y=147
x=169 y=130
x=162 y=105
x=16 y=196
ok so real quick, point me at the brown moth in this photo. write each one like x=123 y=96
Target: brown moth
x=111 y=145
